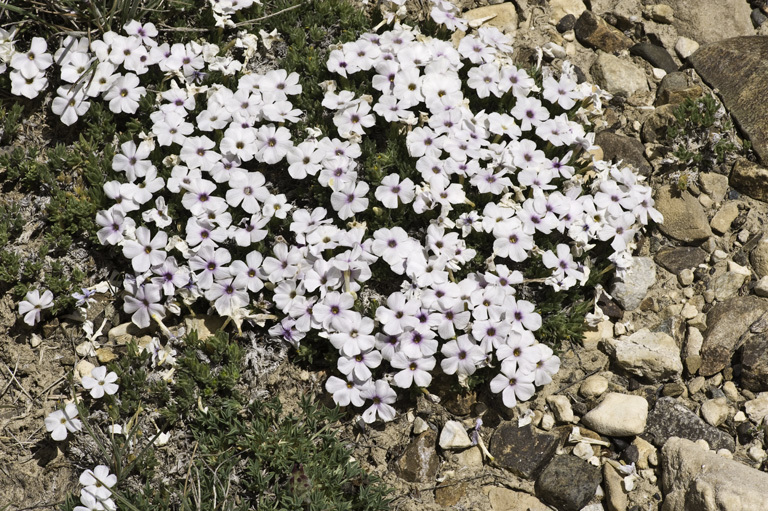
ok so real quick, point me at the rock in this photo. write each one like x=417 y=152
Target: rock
x=616 y=498
x=470 y=458
x=685 y=47
x=628 y=150
x=721 y=222
x=593 y=387
x=633 y=286
x=757 y=409
x=728 y=322
x=450 y=492
x=662 y=13
x=522 y=451
x=757 y=17
x=547 y=422
x=684 y=218
x=668 y=418
x=697 y=19
x=694 y=478
x=503 y=499
x=685 y=277
x=419 y=461
x=123 y=334
x=454 y=436
x=566 y=23
x=458 y=403
x=105 y=355
x=694 y=342
x=728 y=284
x=419 y=426
x=83 y=369
x=754 y=363
x=738 y=69
x=558 y=9
x=715 y=411
x=759 y=258
x=731 y=392
x=714 y=185
x=618 y=415
x=205 y=326
x=676 y=259
x=504 y=16
x=594 y=32
x=561 y=407
x=657 y=56
x=618 y=76
x=761 y=287
x=568 y=483
x=653 y=356
x=750 y=179
x=647 y=456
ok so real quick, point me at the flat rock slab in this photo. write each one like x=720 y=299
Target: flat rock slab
x=696 y=478
x=671 y=419
x=677 y=259
x=618 y=415
x=684 y=216
x=654 y=356
x=522 y=451
x=419 y=461
x=727 y=324
x=628 y=150
x=568 y=483
x=708 y=21
x=738 y=68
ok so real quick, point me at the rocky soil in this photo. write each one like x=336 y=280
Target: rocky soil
x=664 y=406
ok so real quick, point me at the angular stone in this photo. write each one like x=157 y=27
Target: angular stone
x=727 y=285
x=657 y=56
x=754 y=363
x=618 y=415
x=631 y=289
x=566 y=23
x=727 y=323
x=502 y=499
x=568 y=483
x=616 y=498
x=685 y=47
x=618 y=76
x=522 y=451
x=628 y=150
x=504 y=16
x=662 y=13
x=654 y=356
x=738 y=69
x=677 y=259
x=715 y=411
x=594 y=32
x=750 y=179
x=454 y=436
x=714 y=185
x=684 y=217
x=696 y=478
x=593 y=387
x=419 y=461
x=675 y=88
x=721 y=222
x=707 y=22
x=670 y=418
x=561 y=407
x=450 y=492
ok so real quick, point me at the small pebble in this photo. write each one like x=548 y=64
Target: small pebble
x=706 y=201
x=547 y=422
x=695 y=385
x=719 y=255
x=725 y=453
x=594 y=386
x=731 y=392
x=419 y=426
x=658 y=73
x=739 y=417
x=561 y=407
x=686 y=47
x=689 y=311
x=662 y=13
x=756 y=453
x=761 y=287
x=619 y=329
x=743 y=236
x=688 y=292
x=454 y=436
x=685 y=277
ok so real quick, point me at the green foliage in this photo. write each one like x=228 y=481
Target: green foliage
x=702 y=135
x=9 y=122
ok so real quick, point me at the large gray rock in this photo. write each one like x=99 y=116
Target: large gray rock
x=628 y=150
x=504 y=16
x=668 y=419
x=727 y=323
x=696 y=479
x=654 y=356
x=618 y=415
x=754 y=363
x=568 y=483
x=738 y=69
x=684 y=216
x=710 y=21
x=521 y=450
x=618 y=76
x=677 y=259
x=631 y=289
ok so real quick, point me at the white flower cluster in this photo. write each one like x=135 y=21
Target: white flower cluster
x=224 y=9
x=522 y=159
x=96 y=494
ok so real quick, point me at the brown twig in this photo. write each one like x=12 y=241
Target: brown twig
x=250 y=22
